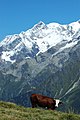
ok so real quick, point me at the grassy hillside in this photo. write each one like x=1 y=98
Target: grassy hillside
x=10 y=111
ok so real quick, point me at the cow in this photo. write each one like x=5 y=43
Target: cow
x=44 y=101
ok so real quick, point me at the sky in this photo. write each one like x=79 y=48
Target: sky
x=21 y=15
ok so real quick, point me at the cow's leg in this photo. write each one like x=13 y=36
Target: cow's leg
x=34 y=105
x=33 y=102
x=50 y=109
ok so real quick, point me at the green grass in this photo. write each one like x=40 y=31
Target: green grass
x=11 y=111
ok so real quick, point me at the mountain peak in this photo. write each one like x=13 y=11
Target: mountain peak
x=40 y=25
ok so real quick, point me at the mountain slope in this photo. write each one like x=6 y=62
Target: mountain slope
x=10 y=111
x=44 y=59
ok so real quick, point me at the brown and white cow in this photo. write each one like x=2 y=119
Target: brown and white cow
x=44 y=101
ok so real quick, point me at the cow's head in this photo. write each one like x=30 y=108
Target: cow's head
x=58 y=102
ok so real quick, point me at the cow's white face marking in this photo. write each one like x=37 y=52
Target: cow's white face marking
x=57 y=102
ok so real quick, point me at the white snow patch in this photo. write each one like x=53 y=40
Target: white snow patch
x=68 y=45
x=6 y=56
x=75 y=26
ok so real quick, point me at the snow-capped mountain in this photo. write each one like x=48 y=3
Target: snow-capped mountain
x=44 y=59
x=38 y=40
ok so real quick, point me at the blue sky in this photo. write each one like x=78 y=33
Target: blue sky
x=20 y=15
